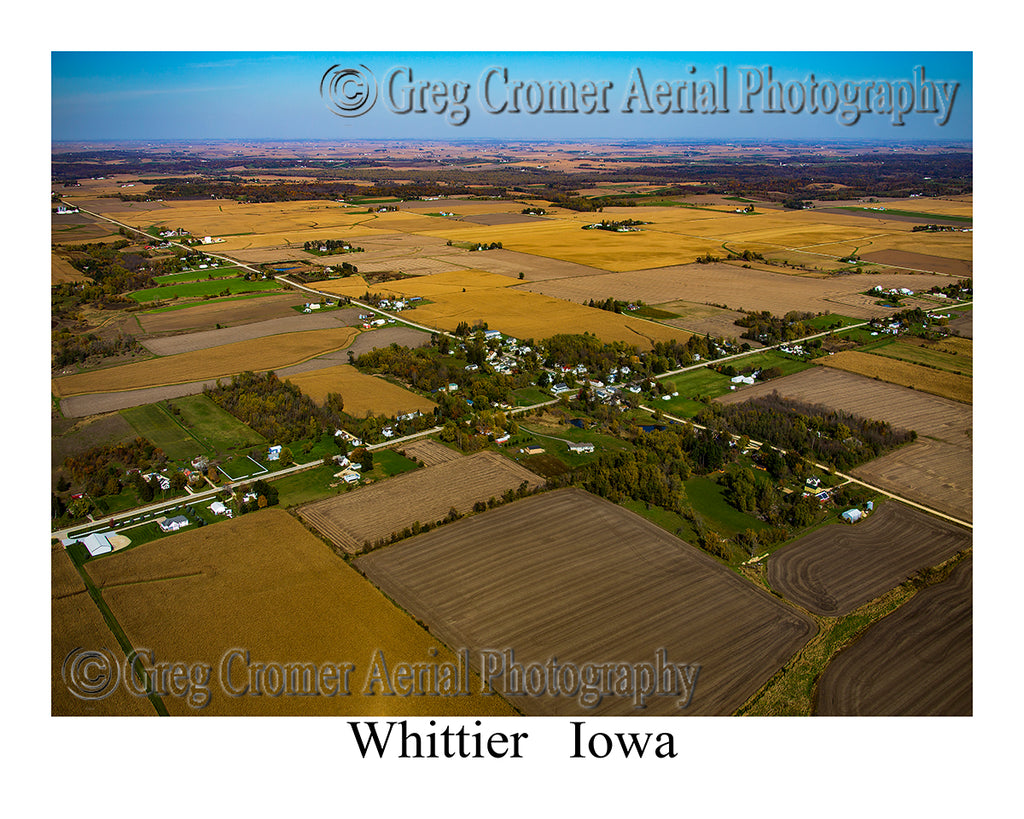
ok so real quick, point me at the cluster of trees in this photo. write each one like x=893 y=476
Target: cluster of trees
x=112 y=271
x=266 y=495
x=135 y=454
x=934 y=228
x=836 y=438
x=757 y=494
x=331 y=245
x=277 y=410
x=71 y=348
x=707 y=258
x=962 y=289
x=770 y=329
x=747 y=255
x=534 y=211
x=607 y=224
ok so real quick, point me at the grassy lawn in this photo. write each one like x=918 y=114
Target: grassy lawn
x=528 y=396
x=671 y=522
x=202 y=288
x=690 y=386
x=387 y=463
x=771 y=358
x=824 y=322
x=198 y=275
x=214 y=426
x=242 y=467
x=708 y=499
x=156 y=425
x=306 y=486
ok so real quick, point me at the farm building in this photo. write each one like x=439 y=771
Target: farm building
x=533 y=450
x=96 y=543
x=852 y=515
x=218 y=508
x=274 y=453
x=581 y=447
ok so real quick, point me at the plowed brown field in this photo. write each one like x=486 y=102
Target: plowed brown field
x=570 y=576
x=837 y=568
x=918 y=661
x=425 y=495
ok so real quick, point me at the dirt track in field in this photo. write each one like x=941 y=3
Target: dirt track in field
x=570 y=576
x=839 y=567
x=918 y=661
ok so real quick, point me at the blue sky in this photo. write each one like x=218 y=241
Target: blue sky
x=270 y=95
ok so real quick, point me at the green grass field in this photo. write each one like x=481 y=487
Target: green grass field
x=201 y=288
x=214 y=427
x=198 y=275
x=708 y=499
x=243 y=467
x=156 y=425
x=188 y=304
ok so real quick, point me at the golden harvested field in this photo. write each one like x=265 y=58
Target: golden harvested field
x=925 y=379
x=370 y=513
x=229 y=359
x=61 y=271
x=738 y=288
x=566 y=239
x=263 y=584
x=571 y=577
x=361 y=393
x=75 y=624
x=476 y=295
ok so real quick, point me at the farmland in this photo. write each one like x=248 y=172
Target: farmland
x=836 y=568
x=202 y=593
x=926 y=379
x=934 y=470
x=372 y=513
x=255 y=354
x=361 y=393
x=918 y=661
x=660 y=538
x=568 y=575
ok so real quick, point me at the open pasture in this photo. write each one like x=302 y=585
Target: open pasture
x=837 y=568
x=229 y=359
x=263 y=584
x=571 y=576
x=361 y=393
x=918 y=661
x=367 y=514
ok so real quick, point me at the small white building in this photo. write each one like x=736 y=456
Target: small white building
x=174 y=524
x=852 y=515
x=96 y=543
x=581 y=447
x=274 y=453
x=218 y=508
